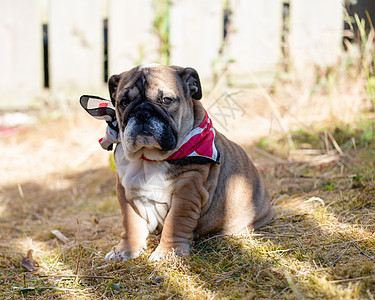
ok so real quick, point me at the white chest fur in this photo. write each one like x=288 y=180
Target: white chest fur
x=146 y=187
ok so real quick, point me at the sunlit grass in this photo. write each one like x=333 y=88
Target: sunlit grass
x=320 y=245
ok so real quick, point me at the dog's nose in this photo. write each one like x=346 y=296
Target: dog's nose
x=143 y=115
x=143 y=111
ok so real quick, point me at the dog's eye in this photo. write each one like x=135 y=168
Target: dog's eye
x=124 y=99
x=123 y=103
x=167 y=101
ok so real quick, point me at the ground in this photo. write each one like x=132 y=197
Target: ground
x=316 y=153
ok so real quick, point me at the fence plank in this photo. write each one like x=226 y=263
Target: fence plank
x=255 y=40
x=76 y=47
x=21 y=77
x=196 y=34
x=316 y=28
x=131 y=40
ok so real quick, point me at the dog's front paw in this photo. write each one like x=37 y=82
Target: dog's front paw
x=157 y=255
x=122 y=255
x=112 y=255
x=160 y=253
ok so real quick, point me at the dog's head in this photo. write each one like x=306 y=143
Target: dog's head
x=154 y=108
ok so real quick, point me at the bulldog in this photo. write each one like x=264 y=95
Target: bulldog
x=176 y=175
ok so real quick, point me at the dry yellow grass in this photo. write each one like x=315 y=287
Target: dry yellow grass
x=54 y=176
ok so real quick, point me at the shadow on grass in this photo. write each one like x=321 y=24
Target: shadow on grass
x=82 y=206
x=292 y=263
x=290 y=258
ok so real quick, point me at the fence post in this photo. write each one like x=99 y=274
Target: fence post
x=76 y=60
x=21 y=75
x=255 y=41
x=196 y=34
x=131 y=40
x=316 y=30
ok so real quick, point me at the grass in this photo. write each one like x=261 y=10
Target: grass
x=321 y=244
x=317 y=156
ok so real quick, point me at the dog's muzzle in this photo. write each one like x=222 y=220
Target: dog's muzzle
x=147 y=119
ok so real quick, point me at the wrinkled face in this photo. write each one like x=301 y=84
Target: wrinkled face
x=154 y=108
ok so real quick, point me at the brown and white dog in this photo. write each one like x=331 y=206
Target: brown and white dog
x=175 y=175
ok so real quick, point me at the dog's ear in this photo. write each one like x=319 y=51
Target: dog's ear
x=98 y=107
x=112 y=86
x=192 y=83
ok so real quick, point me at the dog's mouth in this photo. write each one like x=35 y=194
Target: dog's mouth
x=149 y=126
x=144 y=129
x=145 y=133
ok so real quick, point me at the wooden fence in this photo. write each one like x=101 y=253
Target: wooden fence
x=81 y=52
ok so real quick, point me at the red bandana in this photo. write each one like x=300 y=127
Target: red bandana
x=197 y=147
x=199 y=143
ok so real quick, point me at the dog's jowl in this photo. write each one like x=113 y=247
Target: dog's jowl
x=176 y=175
